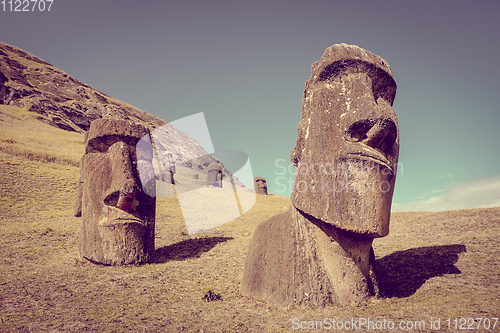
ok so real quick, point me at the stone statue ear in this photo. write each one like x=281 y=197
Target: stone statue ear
x=295 y=157
x=79 y=194
x=295 y=154
x=78 y=203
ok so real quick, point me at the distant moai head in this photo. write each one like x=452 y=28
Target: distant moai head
x=260 y=185
x=347 y=145
x=214 y=174
x=116 y=194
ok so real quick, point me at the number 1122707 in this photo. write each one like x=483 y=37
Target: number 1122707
x=26 y=5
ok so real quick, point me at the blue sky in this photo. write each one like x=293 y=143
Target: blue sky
x=244 y=65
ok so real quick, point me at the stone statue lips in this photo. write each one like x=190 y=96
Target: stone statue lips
x=373 y=140
x=368 y=153
x=115 y=216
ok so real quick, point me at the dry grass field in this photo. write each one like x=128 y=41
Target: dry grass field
x=432 y=266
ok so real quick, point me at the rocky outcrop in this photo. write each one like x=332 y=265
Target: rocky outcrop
x=27 y=81
x=59 y=100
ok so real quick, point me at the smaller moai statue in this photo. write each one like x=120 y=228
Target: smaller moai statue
x=214 y=174
x=260 y=185
x=116 y=194
x=168 y=174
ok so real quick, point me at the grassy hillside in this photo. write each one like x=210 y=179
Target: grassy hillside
x=432 y=265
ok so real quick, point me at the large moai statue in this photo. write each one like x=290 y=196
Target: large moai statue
x=319 y=252
x=260 y=185
x=116 y=194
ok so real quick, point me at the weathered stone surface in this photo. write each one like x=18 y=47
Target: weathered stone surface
x=260 y=185
x=60 y=100
x=319 y=251
x=347 y=142
x=295 y=259
x=118 y=216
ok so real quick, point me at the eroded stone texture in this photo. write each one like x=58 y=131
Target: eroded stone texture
x=260 y=185
x=59 y=100
x=118 y=214
x=319 y=251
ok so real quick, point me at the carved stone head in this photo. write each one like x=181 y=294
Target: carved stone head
x=214 y=174
x=260 y=185
x=116 y=194
x=347 y=145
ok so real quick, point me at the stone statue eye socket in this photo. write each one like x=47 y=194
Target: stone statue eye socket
x=357 y=131
x=102 y=144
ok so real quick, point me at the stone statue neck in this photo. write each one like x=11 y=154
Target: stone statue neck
x=344 y=257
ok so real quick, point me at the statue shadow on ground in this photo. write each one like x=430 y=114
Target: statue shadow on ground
x=401 y=273
x=191 y=248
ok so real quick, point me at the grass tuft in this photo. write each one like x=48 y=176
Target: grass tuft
x=22 y=135
x=212 y=296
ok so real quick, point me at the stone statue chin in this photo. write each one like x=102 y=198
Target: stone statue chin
x=319 y=251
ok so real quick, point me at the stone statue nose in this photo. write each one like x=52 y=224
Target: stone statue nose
x=124 y=190
x=381 y=135
x=378 y=132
